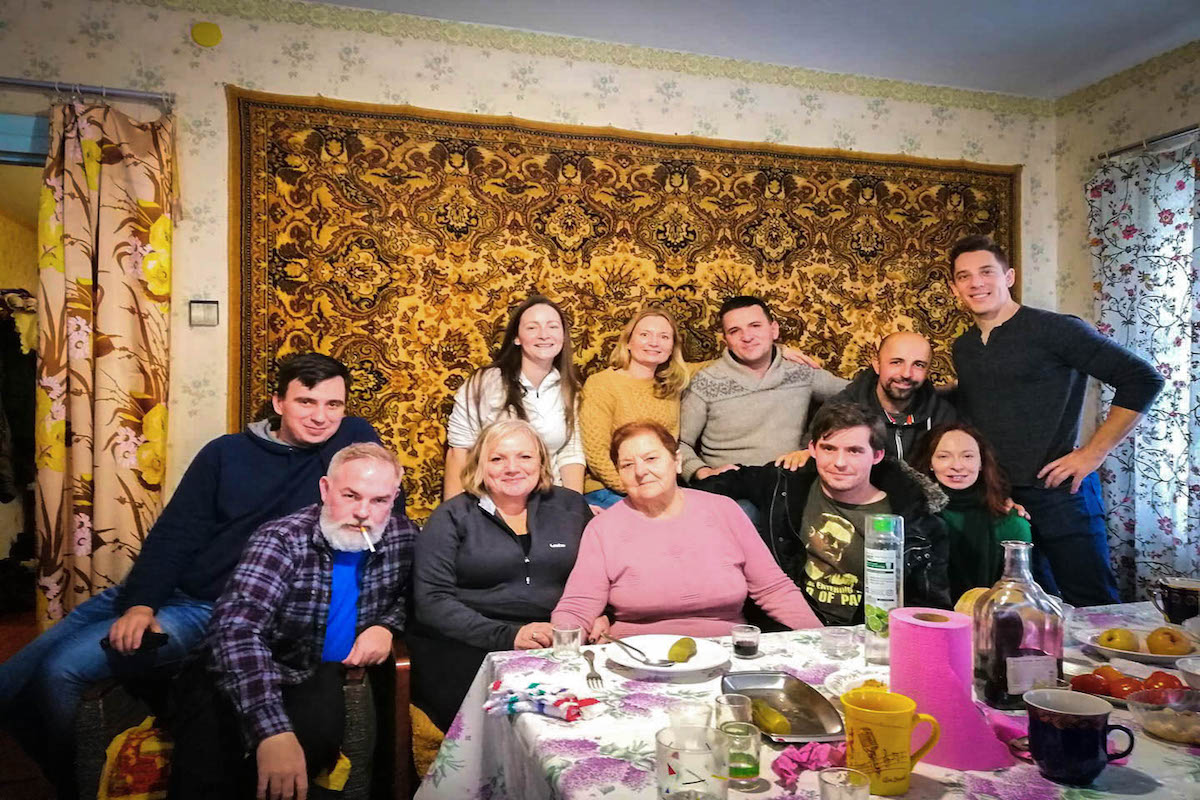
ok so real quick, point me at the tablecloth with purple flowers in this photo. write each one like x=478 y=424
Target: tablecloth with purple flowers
x=611 y=756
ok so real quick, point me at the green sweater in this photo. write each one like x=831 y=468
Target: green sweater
x=975 y=560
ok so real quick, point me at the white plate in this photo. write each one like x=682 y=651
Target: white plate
x=1145 y=658
x=709 y=654
x=844 y=680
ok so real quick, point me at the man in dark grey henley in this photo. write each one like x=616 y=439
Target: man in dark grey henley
x=1022 y=373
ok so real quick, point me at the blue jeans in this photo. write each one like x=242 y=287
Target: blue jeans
x=1070 y=542
x=52 y=671
x=603 y=498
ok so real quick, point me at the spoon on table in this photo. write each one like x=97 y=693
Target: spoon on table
x=638 y=654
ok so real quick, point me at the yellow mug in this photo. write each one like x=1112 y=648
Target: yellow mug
x=879 y=729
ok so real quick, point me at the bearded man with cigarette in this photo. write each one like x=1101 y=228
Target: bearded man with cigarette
x=152 y=622
x=315 y=592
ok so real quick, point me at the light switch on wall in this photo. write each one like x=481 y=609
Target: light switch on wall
x=204 y=313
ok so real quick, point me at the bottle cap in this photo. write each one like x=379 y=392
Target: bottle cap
x=884 y=522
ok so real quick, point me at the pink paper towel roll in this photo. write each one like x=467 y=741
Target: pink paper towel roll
x=932 y=662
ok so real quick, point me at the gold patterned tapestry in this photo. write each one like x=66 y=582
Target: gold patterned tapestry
x=397 y=239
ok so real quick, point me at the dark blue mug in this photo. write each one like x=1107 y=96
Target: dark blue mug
x=1068 y=735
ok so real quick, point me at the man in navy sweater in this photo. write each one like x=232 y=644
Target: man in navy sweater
x=236 y=483
x=1022 y=373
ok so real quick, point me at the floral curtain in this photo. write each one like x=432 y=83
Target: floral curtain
x=104 y=239
x=1143 y=236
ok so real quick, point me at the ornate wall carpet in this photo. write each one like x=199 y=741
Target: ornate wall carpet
x=398 y=238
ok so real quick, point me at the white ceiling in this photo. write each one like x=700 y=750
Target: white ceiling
x=1037 y=48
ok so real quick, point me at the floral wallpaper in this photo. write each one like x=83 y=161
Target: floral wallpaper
x=309 y=49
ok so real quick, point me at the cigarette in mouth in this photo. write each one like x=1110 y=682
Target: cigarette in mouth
x=363 y=530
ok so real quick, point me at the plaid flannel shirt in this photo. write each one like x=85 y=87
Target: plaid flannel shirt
x=268 y=627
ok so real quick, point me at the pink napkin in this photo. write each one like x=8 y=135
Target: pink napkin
x=1004 y=726
x=793 y=760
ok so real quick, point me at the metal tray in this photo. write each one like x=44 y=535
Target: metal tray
x=813 y=718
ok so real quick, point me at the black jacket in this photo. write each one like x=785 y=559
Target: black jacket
x=473 y=582
x=474 y=587
x=781 y=495
x=927 y=409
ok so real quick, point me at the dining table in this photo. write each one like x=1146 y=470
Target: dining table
x=611 y=753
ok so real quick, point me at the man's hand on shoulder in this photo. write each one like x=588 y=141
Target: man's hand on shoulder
x=708 y=472
x=1076 y=465
x=372 y=646
x=282 y=773
x=125 y=635
x=793 y=460
x=1013 y=505
x=797 y=356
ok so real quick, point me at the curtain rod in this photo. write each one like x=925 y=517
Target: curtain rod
x=59 y=87
x=1146 y=143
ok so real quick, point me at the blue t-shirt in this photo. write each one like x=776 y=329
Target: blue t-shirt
x=343 y=604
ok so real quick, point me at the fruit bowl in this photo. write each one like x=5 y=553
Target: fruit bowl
x=1171 y=714
x=1141 y=654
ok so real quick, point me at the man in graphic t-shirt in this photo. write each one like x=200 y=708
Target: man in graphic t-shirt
x=833 y=536
x=816 y=515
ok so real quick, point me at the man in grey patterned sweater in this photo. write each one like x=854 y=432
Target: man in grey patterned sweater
x=750 y=405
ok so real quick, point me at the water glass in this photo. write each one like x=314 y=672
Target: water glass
x=744 y=741
x=838 y=643
x=689 y=714
x=840 y=783
x=567 y=642
x=744 y=639
x=692 y=763
x=732 y=708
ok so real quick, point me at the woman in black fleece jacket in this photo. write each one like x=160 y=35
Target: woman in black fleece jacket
x=490 y=565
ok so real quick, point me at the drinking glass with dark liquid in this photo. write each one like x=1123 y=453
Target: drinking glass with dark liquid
x=745 y=640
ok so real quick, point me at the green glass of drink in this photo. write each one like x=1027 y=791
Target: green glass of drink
x=744 y=743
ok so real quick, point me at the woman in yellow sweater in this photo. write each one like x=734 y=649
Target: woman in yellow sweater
x=643 y=383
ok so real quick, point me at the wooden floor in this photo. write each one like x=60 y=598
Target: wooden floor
x=20 y=779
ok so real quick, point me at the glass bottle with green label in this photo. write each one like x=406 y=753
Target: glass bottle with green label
x=883 y=581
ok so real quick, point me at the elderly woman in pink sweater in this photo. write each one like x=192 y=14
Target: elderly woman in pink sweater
x=672 y=560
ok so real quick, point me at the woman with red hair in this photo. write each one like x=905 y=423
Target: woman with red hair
x=977 y=516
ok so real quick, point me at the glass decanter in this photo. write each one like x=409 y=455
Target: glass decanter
x=1018 y=634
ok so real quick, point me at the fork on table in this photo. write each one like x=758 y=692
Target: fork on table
x=594 y=680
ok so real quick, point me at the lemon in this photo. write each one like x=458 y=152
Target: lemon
x=682 y=650
x=768 y=719
x=966 y=603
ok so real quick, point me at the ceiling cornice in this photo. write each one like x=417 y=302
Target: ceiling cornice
x=1125 y=79
x=488 y=37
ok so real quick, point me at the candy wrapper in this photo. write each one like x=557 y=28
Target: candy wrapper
x=793 y=760
x=539 y=698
